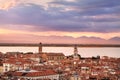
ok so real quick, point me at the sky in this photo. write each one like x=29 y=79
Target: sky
x=60 y=21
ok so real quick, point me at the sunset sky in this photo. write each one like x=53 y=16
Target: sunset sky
x=60 y=21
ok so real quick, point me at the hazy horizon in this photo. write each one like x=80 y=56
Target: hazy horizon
x=83 y=51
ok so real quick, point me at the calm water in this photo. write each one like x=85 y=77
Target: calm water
x=83 y=51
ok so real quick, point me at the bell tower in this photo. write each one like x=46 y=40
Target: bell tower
x=75 y=51
x=40 y=48
x=76 y=56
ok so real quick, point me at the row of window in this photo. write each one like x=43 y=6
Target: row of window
x=55 y=58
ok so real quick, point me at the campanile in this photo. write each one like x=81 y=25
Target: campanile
x=40 y=48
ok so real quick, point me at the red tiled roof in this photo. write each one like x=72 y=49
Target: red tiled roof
x=34 y=74
x=18 y=61
x=55 y=54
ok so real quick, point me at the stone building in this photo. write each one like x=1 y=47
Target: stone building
x=53 y=56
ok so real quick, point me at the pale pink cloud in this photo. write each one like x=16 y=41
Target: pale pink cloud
x=6 y=4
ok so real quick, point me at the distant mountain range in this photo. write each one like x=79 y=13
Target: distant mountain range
x=115 y=39
x=57 y=39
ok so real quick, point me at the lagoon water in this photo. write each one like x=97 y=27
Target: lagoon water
x=83 y=51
